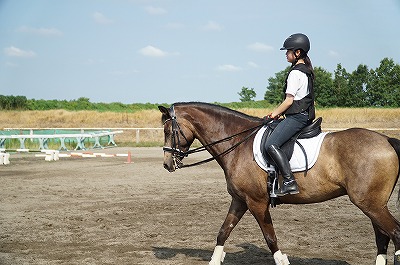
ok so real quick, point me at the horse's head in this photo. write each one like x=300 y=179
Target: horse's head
x=177 y=138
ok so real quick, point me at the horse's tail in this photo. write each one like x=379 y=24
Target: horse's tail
x=396 y=145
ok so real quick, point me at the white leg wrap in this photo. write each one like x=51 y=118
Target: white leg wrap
x=281 y=259
x=397 y=253
x=381 y=259
x=218 y=256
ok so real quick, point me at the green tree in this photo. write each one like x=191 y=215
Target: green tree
x=383 y=90
x=323 y=84
x=247 y=94
x=13 y=102
x=20 y=103
x=358 y=81
x=3 y=102
x=81 y=103
x=341 y=87
x=274 y=93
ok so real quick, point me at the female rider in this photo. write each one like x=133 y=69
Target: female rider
x=297 y=106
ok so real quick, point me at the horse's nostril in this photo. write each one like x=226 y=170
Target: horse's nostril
x=166 y=166
x=169 y=167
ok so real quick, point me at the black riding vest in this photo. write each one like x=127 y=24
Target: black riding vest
x=305 y=104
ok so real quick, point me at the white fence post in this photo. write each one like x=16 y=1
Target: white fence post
x=137 y=136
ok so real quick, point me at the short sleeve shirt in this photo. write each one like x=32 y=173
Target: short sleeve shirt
x=297 y=84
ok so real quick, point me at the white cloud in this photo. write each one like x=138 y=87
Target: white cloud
x=152 y=51
x=229 y=68
x=212 y=26
x=260 y=47
x=16 y=52
x=101 y=19
x=155 y=10
x=41 y=31
x=333 y=54
x=252 y=64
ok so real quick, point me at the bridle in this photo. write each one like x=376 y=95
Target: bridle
x=178 y=154
x=175 y=149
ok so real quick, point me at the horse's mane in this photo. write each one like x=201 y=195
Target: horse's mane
x=218 y=108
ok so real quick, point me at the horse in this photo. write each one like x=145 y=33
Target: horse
x=360 y=163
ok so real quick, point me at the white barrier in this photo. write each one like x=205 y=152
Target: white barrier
x=82 y=130
x=54 y=155
x=80 y=138
x=49 y=155
x=4 y=158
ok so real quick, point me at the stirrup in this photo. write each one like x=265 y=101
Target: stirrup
x=287 y=189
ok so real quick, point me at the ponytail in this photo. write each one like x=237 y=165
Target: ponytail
x=308 y=63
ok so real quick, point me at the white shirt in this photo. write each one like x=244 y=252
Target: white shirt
x=297 y=84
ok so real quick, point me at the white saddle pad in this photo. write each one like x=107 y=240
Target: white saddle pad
x=312 y=147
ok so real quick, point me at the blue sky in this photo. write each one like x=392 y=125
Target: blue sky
x=165 y=51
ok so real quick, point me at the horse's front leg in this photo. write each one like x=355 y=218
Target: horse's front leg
x=260 y=211
x=235 y=213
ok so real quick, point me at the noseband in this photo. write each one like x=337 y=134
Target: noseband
x=178 y=154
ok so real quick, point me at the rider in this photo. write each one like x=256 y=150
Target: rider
x=297 y=106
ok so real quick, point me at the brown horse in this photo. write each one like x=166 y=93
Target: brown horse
x=360 y=163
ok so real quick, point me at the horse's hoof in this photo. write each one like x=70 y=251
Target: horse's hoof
x=218 y=256
x=281 y=259
x=381 y=259
x=397 y=258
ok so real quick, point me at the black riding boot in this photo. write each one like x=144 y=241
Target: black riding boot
x=289 y=185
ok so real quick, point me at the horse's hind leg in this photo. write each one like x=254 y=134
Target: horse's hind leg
x=235 y=213
x=385 y=226
x=382 y=243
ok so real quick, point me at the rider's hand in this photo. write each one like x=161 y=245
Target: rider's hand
x=266 y=119
x=273 y=117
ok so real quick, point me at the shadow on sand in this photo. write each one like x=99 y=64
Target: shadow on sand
x=250 y=254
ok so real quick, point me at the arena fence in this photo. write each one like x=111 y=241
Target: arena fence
x=147 y=134
x=42 y=137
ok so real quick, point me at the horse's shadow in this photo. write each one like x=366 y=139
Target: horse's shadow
x=250 y=254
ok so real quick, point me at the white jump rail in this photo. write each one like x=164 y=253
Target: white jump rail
x=80 y=138
x=55 y=155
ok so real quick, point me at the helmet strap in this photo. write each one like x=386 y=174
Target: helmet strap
x=295 y=56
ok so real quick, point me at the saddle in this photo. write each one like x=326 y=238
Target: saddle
x=309 y=131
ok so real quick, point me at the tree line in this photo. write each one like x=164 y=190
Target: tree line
x=363 y=87
x=82 y=103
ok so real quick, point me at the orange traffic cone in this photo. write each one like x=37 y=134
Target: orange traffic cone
x=129 y=159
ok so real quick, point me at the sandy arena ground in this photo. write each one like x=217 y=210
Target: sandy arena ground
x=105 y=211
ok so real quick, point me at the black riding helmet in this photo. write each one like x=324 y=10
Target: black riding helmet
x=297 y=41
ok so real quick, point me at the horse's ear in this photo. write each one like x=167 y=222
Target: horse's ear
x=164 y=111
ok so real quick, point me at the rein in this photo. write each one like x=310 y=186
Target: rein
x=178 y=154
